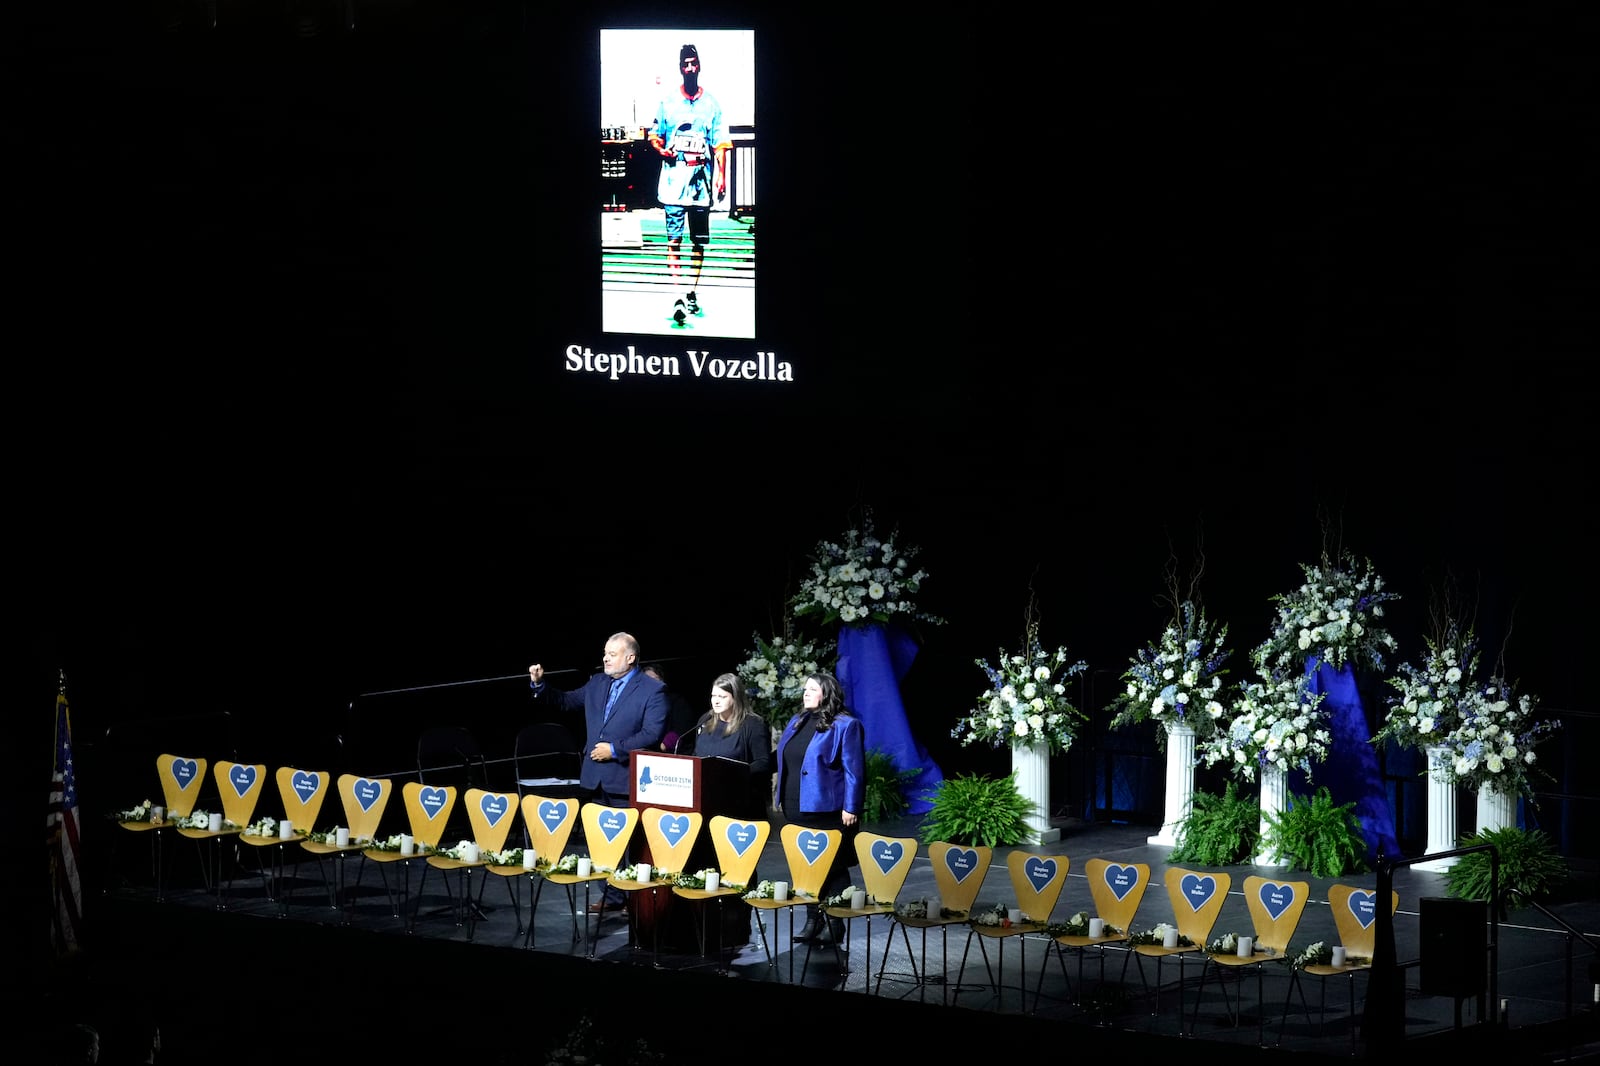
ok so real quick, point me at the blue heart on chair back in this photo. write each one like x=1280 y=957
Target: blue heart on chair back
x=552 y=814
x=494 y=808
x=813 y=846
x=1122 y=879
x=741 y=835
x=185 y=771
x=1364 y=905
x=1040 y=872
x=242 y=778
x=1276 y=898
x=432 y=801
x=887 y=854
x=673 y=826
x=305 y=785
x=1198 y=890
x=366 y=792
x=612 y=823
x=961 y=861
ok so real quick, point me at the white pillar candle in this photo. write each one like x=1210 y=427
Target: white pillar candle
x=1014 y=915
x=285 y=830
x=408 y=844
x=1246 y=946
x=469 y=853
x=780 y=890
x=1097 y=927
x=713 y=880
x=1170 y=940
x=529 y=858
x=858 y=899
x=341 y=836
x=585 y=866
x=158 y=814
x=1338 y=956
x=641 y=873
x=216 y=823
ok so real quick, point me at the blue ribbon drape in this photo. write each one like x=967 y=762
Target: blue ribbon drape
x=1351 y=770
x=872 y=661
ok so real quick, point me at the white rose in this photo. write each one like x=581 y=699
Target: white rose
x=1022 y=727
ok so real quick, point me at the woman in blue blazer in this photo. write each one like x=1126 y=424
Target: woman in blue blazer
x=822 y=783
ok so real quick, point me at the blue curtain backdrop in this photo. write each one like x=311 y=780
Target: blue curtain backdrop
x=1351 y=770
x=872 y=661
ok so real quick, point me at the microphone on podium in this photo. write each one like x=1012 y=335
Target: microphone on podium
x=697 y=731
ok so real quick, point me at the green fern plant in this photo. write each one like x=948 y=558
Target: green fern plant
x=886 y=788
x=1318 y=836
x=972 y=809
x=1530 y=867
x=1218 y=830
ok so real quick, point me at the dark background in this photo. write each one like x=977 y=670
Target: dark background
x=1067 y=305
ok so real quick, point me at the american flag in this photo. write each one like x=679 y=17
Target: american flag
x=61 y=832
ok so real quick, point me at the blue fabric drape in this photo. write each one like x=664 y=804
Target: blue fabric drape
x=1351 y=770
x=872 y=661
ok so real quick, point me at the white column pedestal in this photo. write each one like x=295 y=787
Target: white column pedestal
x=1496 y=809
x=1441 y=811
x=1274 y=797
x=1180 y=783
x=1032 y=766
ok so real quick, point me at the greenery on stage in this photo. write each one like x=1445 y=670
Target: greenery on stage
x=1530 y=867
x=1219 y=830
x=974 y=809
x=886 y=788
x=1315 y=834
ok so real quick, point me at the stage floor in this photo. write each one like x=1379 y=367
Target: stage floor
x=355 y=971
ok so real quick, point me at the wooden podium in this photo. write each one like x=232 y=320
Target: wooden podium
x=672 y=782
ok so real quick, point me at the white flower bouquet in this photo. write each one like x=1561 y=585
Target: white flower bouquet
x=1334 y=616
x=861 y=581
x=1429 y=698
x=266 y=827
x=140 y=813
x=1494 y=742
x=1278 y=723
x=1026 y=701
x=775 y=674
x=1178 y=679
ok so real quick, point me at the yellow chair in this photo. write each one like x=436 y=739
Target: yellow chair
x=490 y=816
x=885 y=862
x=301 y=793
x=958 y=873
x=738 y=847
x=1355 y=913
x=1116 y=890
x=548 y=822
x=239 y=788
x=362 y=801
x=810 y=854
x=671 y=837
x=1036 y=882
x=181 y=778
x=1275 y=909
x=607 y=831
x=1196 y=898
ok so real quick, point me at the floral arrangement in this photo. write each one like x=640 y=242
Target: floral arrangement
x=140 y=813
x=1275 y=723
x=1335 y=616
x=631 y=873
x=266 y=827
x=1078 y=925
x=508 y=857
x=196 y=820
x=696 y=880
x=764 y=890
x=842 y=899
x=1429 y=698
x=1493 y=744
x=862 y=581
x=1318 y=954
x=1026 y=701
x=1157 y=936
x=1178 y=679
x=391 y=843
x=912 y=908
x=776 y=672
x=997 y=915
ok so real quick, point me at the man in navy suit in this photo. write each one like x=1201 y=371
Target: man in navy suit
x=623 y=709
